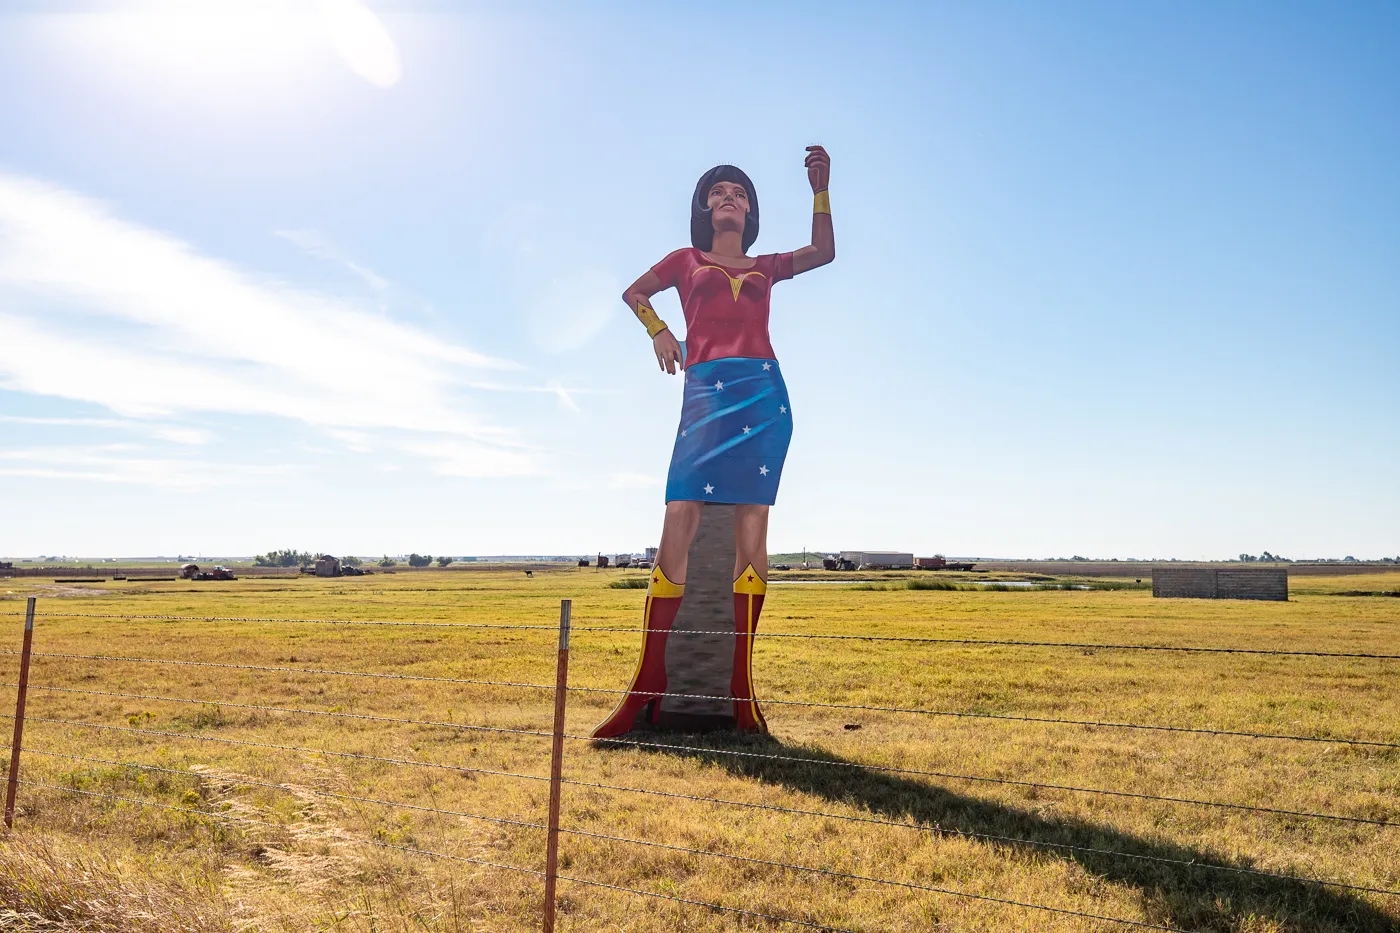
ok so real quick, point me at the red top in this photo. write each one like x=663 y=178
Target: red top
x=726 y=309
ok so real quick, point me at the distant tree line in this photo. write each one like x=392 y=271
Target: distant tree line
x=286 y=558
x=294 y=558
x=1266 y=556
x=415 y=560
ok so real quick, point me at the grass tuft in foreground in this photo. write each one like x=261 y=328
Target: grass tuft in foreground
x=48 y=883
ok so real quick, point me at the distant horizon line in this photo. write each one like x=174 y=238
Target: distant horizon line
x=574 y=556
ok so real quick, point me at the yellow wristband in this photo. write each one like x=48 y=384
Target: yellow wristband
x=653 y=324
x=821 y=202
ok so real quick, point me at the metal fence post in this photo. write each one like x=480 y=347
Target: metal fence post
x=13 y=782
x=556 y=764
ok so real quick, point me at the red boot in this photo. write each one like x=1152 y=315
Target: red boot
x=749 y=591
x=649 y=681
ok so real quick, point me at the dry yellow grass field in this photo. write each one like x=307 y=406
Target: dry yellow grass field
x=255 y=838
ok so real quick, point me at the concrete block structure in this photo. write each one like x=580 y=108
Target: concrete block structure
x=1220 y=583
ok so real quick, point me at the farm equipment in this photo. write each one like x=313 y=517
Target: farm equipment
x=837 y=563
x=217 y=572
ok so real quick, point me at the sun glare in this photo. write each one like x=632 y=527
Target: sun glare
x=361 y=39
x=235 y=44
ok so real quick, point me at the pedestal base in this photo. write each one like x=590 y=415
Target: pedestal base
x=700 y=649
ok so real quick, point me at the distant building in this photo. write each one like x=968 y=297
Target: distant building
x=327 y=566
x=879 y=560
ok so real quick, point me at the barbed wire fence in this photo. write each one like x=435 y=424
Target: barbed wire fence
x=552 y=826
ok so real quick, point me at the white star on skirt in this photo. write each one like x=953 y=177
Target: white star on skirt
x=763 y=470
x=767 y=366
x=719 y=386
x=682 y=434
x=746 y=429
x=782 y=409
x=709 y=489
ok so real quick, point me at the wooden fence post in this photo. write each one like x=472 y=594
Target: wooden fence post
x=556 y=764
x=13 y=783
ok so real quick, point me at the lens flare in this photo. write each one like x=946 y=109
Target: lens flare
x=362 y=41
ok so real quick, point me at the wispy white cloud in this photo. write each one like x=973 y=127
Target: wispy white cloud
x=315 y=244
x=462 y=457
x=128 y=464
x=634 y=481
x=100 y=310
x=566 y=396
x=176 y=434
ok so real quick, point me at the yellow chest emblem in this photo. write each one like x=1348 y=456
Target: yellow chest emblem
x=735 y=283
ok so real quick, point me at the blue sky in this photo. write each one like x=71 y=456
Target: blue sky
x=1112 y=279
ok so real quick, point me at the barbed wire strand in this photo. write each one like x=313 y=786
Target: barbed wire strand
x=923 y=639
x=714 y=751
x=283 y=787
x=811 y=704
x=291 y=670
x=832 y=873
x=1146 y=727
x=700 y=749
x=140 y=617
x=285 y=709
x=715 y=800
x=926 y=639
x=889 y=769
x=763 y=635
x=285 y=748
x=414 y=850
x=987 y=837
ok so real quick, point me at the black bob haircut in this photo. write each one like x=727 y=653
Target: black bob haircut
x=702 y=230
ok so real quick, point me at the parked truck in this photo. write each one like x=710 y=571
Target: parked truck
x=939 y=563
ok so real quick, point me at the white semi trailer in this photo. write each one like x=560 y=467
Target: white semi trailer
x=879 y=560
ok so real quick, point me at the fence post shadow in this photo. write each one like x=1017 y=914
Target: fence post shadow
x=1192 y=898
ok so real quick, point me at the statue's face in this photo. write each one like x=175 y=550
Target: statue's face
x=729 y=204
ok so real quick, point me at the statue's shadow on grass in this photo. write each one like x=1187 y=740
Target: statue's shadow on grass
x=1189 y=897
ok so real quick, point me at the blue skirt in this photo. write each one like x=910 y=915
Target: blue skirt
x=736 y=424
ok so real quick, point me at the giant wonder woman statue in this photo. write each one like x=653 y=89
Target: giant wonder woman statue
x=736 y=420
